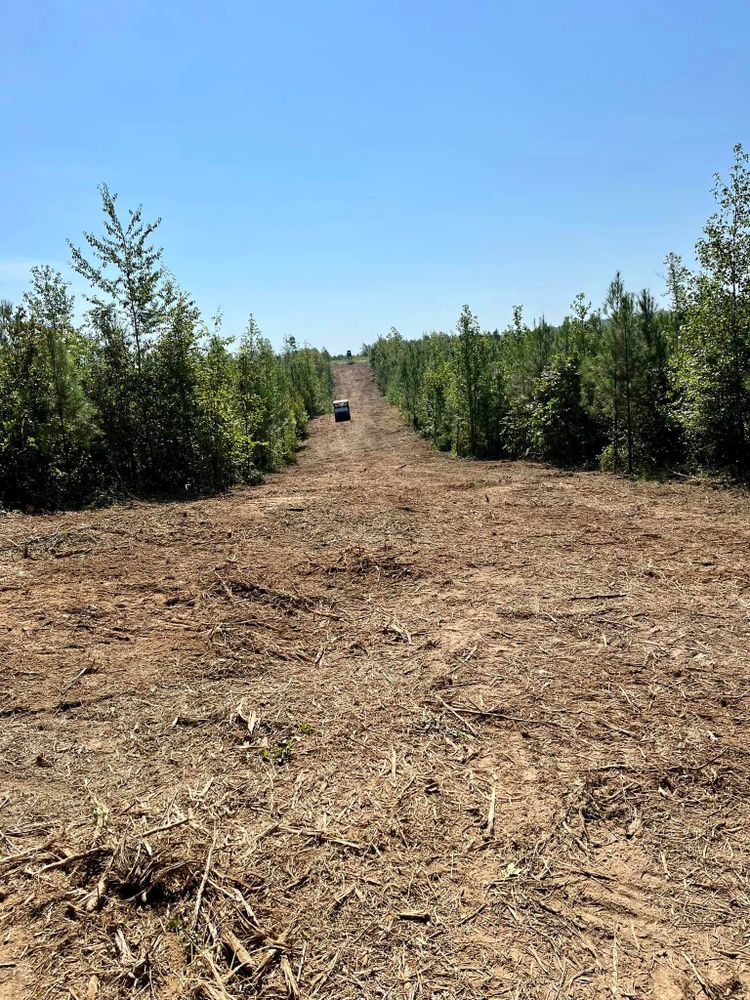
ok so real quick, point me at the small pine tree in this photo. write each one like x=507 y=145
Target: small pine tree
x=469 y=383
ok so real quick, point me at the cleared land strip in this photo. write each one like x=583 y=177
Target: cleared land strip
x=389 y=725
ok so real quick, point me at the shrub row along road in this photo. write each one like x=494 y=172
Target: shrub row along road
x=390 y=725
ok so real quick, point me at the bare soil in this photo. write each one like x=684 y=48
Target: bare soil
x=390 y=725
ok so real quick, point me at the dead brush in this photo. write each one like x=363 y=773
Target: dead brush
x=237 y=584
x=357 y=560
x=142 y=900
x=56 y=545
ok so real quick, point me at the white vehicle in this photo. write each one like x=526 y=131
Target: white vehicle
x=341 y=410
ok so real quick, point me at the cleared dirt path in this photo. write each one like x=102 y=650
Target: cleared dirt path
x=390 y=725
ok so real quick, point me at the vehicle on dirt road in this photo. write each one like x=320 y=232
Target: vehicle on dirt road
x=341 y=410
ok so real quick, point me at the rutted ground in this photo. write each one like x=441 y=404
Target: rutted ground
x=391 y=725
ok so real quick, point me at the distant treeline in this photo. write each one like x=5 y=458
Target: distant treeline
x=630 y=386
x=143 y=397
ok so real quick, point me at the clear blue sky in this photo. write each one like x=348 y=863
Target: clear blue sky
x=339 y=167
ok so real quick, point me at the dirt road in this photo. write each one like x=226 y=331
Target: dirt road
x=390 y=725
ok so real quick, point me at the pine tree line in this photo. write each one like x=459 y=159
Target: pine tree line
x=143 y=397
x=629 y=387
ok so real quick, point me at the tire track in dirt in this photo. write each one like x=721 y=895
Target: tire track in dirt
x=379 y=714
